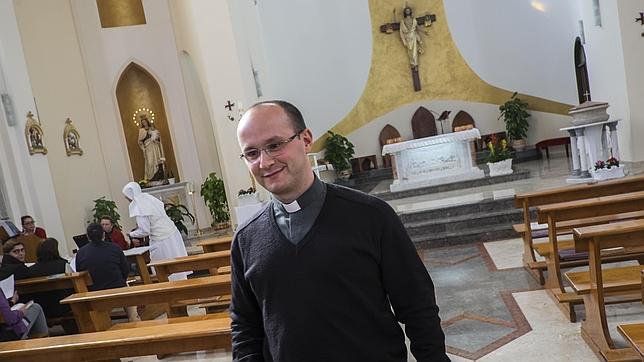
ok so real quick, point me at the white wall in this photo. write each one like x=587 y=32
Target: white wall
x=633 y=46
x=106 y=53
x=318 y=54
x=514 y=46
x=606 y=69
x=30 y=188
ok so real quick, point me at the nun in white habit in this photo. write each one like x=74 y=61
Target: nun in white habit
x=151 y=220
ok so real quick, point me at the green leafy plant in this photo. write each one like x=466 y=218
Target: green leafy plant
x=177 y=213
x=338 y=151
x=499 y=150
x=103 y=207
x=214 y=195
x=515 y=115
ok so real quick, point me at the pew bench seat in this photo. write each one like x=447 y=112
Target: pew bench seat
x=634 y=335
x=614 y=280
x=189 y=336
x=166 y=321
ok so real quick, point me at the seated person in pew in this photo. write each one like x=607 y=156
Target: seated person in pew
x=22 y=320
x=50 y=263
x=29 y=227
x=112 y=233
x=105 y=263
x=13 y=261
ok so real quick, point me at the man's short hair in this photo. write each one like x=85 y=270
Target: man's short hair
x=22 y=219
x=293 y=114
x=107 y=217
x=95 y=232
x=10 y=244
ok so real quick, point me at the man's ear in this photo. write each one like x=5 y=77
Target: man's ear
x=307 y=138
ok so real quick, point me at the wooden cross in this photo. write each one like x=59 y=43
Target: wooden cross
x=229 y=106
x=389 y=28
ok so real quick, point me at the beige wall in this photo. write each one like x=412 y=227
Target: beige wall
x=60 y=88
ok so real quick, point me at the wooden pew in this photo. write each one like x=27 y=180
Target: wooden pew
x=605 y=286
x=634 y=335
x=205 y=261
x=216 y=244
x=207 y=334
x=92 y=309
x=77 y=281
x=140 y=256
x=530 y=200
x=553 y=214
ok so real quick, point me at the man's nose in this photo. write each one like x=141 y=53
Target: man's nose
x=265 y=160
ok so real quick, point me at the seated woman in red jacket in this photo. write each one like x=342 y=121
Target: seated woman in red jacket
x=23 y=322
x=29 y=227
x=112 y=233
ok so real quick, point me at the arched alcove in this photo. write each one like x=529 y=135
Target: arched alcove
x=138 y=94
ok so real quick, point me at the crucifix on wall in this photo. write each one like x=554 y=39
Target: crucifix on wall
x=411 y=38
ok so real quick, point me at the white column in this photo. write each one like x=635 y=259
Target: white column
x=583 y=158
x=613 y=139
x=576 y=167
x=604 y=151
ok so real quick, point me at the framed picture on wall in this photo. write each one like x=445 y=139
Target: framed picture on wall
x=71 y=138
x=34 y=135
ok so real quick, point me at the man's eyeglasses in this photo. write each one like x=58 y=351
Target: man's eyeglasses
x=271 y=149
x=18 y=251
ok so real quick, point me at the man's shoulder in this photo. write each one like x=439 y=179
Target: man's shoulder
x=355 y=197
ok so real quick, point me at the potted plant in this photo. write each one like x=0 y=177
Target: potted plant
x=338 y=152
x=104 y=207
x=515 y=116
x=499 y=160
x=177 y=213
x=214 y=195
x=608 y=170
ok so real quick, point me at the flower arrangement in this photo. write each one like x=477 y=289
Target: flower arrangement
x=610 y=163
x=499 y=150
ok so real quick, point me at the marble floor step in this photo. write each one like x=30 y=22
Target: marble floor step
x=464 y=222
x=460 y=185
x=472 y=207
x=477 y=235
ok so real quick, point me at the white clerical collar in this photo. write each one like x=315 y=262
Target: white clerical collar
x=292 y=207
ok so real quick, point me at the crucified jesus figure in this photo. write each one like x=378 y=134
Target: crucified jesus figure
x=411 y=38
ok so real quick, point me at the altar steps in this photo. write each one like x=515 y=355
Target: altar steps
x=461 y=185
x=486 y=220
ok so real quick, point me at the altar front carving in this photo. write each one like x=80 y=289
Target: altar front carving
x=435 y=160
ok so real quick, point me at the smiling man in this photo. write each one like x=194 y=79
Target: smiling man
x=323 y=273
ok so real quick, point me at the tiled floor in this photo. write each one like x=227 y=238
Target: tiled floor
x=491 y=309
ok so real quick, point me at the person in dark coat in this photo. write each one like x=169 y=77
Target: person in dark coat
x=50 y=263
x=13 y=260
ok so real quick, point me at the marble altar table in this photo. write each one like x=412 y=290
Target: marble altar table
x=435 y=160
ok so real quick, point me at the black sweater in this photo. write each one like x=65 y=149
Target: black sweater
x=105 y=263
x=327 y=298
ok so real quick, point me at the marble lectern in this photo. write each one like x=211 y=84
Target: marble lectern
x=435 y=160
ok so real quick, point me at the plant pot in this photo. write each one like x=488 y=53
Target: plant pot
x=221 y=225
x=501 y=168
x=519 y=145
x=248 y=199
x=608 y=173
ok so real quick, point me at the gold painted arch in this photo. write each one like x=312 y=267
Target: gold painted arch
x=115 y=13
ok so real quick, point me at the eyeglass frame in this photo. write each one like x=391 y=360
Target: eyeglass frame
x=268 y=152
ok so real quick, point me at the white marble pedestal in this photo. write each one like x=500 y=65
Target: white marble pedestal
x=590 y=143
x=433 y=160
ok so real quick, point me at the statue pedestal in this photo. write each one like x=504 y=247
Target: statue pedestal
x=436 y=160
x=176 y=193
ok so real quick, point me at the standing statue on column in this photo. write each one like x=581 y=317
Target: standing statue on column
x=150 y=144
